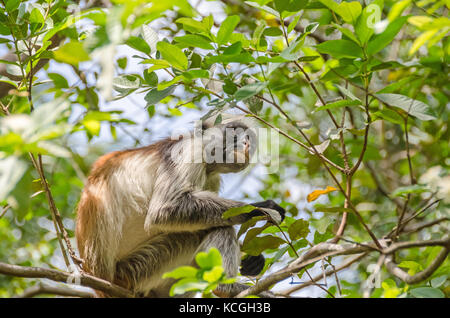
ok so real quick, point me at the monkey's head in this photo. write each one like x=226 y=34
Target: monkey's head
x=228 y=145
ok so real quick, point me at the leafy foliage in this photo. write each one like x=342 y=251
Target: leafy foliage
x=359 y=89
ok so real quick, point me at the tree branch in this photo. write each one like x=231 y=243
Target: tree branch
x=42 y=288
x=417 y=278
x=326 y=249
x=64 y=277
x=327 y=273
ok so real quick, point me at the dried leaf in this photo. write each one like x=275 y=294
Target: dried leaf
x=317 y=193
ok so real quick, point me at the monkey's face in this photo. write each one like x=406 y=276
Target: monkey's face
x=228 y=147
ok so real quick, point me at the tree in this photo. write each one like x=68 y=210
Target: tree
x=358 y=92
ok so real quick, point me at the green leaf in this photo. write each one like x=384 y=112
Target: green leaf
x=210 y=259
x=249 y=90
x=416 y=188
x=182 y=271
x=259 y=30
x=346 y=32
x=411 y=106
x=272 y=31
x=195 y=41
x=293 y=23
x=281 y=5
x=349 y=11
x=338 y=104
x=413 y=267
x=186 y=285
x=438 y=281
x=243 y=58
x=263 y=7
x=397 y=9
x=154 y=95
x=380 y=41
x=71 y=53
x=347 y=93
x=59 y=80
x=328 y=209
x=233 y=49
x=421 y=40
x=230 y=88
x=125 y=84
x=308 y=58
x=389 y=115
x=36 y=16
x=251 y=234
x=151 y=78
x=298 y=229
x=427 y=292
x=237 y=211
x=163 y=85
x=12 y=5
x=259 y=244
x=213 y=275
x=192 y=25
x=139 y=44
x=122 y=62
x=175 y=111
x=226 y=29
x=340 y=49
x=173 y=54
x=196 y=73
x=310 y=28
x=297 y=5
x=292 y=52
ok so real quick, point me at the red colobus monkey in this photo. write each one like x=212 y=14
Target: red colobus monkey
x=146 y=211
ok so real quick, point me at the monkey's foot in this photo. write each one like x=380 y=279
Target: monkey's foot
x=252 y=265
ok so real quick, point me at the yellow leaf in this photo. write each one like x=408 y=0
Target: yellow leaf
x=421 y=40
x=419 y=20
x=317 y=193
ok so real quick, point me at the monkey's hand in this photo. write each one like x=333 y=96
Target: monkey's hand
x=269 y=208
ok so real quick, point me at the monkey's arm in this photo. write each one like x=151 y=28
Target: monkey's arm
x=194 y=210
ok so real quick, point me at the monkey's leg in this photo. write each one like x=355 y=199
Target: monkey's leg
x=142 y=270
x=224 y=239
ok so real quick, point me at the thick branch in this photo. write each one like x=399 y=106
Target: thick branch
x=326 y=249
x=45 y=289
x=60 y=276
x=327 y=273
x=421 y=276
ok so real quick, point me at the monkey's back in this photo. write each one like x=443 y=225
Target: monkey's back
x=113 y=205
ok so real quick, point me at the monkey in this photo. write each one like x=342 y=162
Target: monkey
x=149 y=210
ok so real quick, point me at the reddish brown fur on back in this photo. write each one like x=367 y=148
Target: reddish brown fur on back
x=91 y=208
x=88 y=212
x=106 y=164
